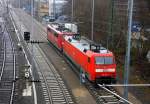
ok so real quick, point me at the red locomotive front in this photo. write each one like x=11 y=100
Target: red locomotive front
x=105 y=67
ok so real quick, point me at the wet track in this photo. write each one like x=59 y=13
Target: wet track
x=8 y=68
x=54 y=89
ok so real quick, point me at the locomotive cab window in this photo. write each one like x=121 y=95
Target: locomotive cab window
x=103 y=60
x=99 y=60
x=108 y=60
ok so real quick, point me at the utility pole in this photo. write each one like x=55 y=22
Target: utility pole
x=20 y=18
x=7 y=6
x=49 y=7
x=32 y=30
x=111 y=24
x=127 y=58
x=32 y=14
x=54 y=8
x=19 y=3
x=72 y=11
x=92 y=26
x=39 y=7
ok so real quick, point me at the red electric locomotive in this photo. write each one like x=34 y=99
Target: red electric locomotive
x=55 y=32
x=95 y=61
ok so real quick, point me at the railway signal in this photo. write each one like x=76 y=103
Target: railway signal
x=27 y=36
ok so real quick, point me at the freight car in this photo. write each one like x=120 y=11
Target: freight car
x=96 y=62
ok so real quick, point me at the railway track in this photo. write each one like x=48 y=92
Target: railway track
x=7 y=71
x=109 y=98
x=54 y=89
x=105 y=95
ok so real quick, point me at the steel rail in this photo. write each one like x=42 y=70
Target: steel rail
x=3 y=65
x=14 y=71
x=14 y=68
x=102 y=86
x=4 y=59
x=46 y=84
x=3 y=68
x=49 y=94
x=55 y=75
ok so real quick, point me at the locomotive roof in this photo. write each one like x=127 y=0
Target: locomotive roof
x=83 y=44
x=60 y=28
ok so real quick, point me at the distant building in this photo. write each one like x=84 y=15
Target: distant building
x=43 y=9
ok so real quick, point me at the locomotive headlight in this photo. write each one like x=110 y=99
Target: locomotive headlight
x=110 y=70
x=105 y=70
x=99 y=70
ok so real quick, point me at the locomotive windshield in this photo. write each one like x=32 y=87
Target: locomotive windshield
x=104 y=60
